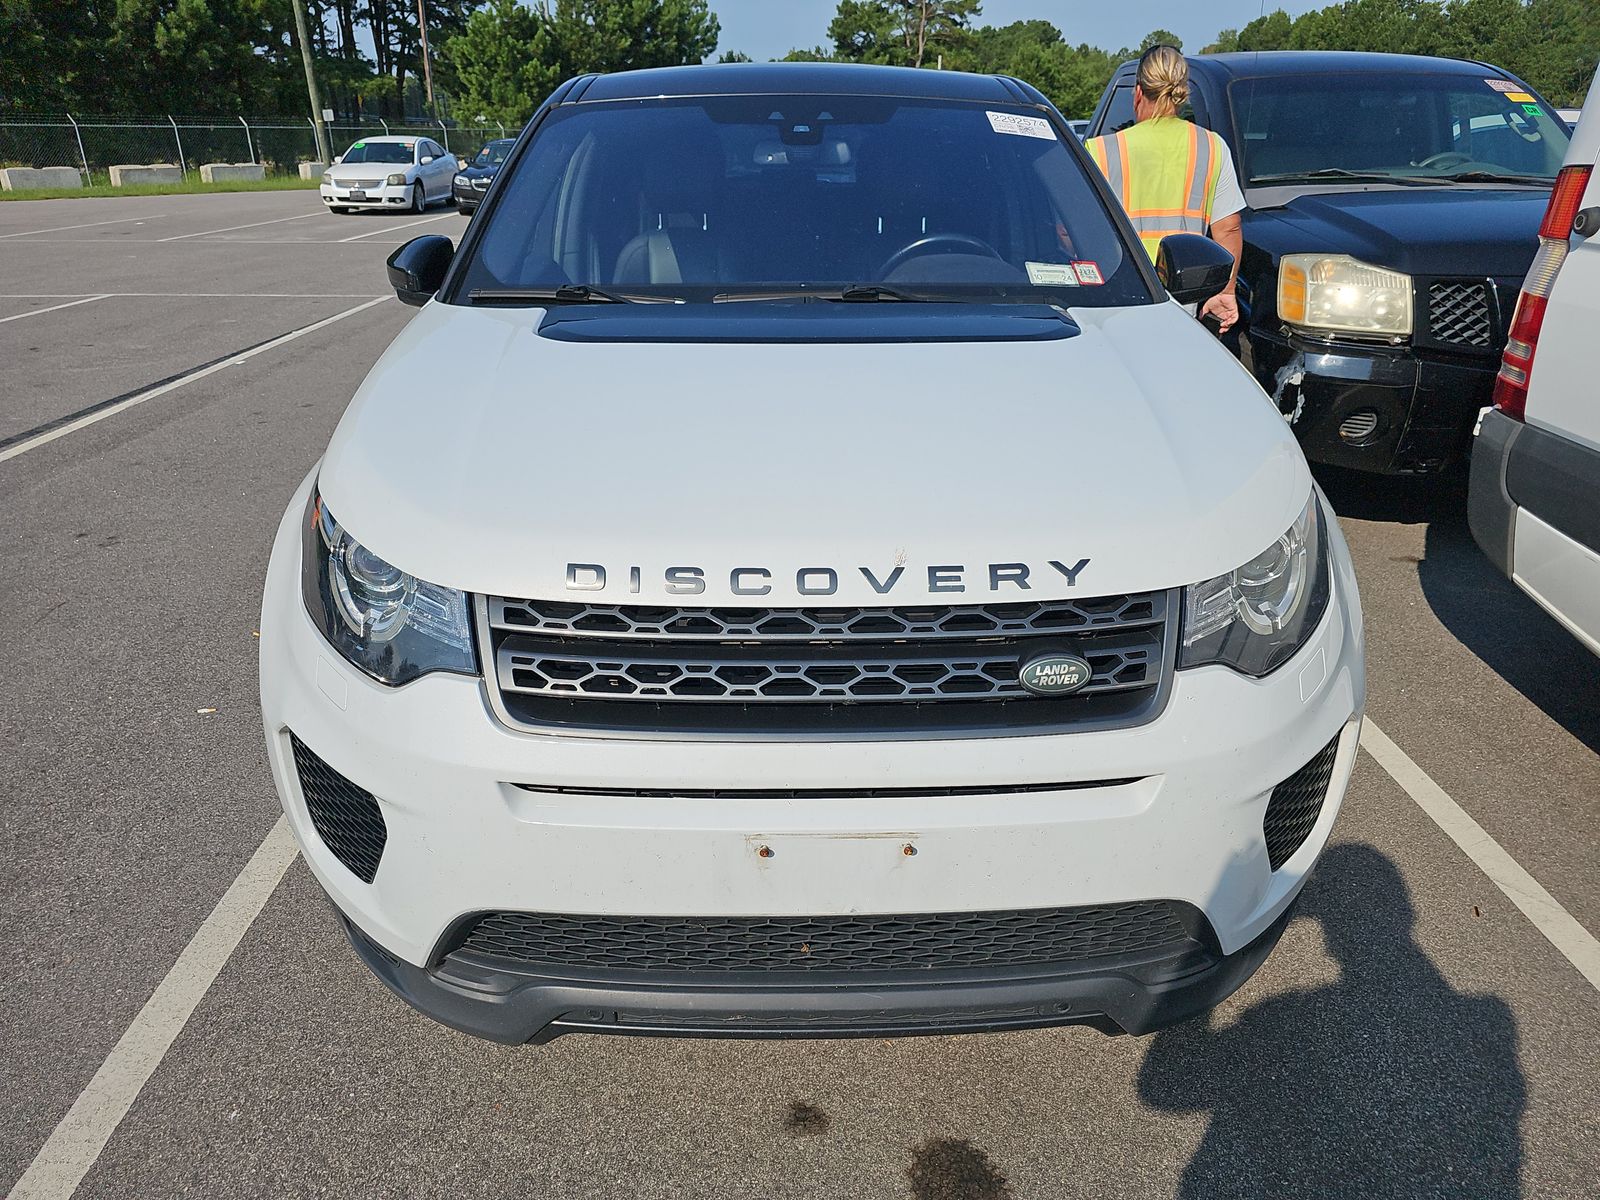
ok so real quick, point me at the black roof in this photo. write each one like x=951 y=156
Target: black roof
x=1306 y=62
x=801 y=78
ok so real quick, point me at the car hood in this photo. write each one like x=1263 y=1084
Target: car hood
x=367 y=170
x=472 y=172
x=1453 y=230
x=1135 y=455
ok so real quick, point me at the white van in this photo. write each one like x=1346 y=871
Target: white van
x=1535 y=496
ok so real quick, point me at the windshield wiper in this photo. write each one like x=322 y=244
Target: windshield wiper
x=1497 y=177
x=1341 y=173
x=567 y=293
x=851 y=294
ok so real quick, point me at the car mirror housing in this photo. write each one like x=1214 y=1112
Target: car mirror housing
x=426 y=159
x=1192 y=268
x=416 y=270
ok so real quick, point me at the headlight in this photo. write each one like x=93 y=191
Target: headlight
x=1255 y=618
x=1337 y=293
x=327 y=178
x=462 y=180
x=394 y=626
x=398 y=179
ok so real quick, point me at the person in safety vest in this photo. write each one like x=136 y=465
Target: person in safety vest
x=1171 y=175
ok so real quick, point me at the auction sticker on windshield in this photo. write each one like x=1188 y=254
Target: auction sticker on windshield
x=1052 y=275
x=1021 y=126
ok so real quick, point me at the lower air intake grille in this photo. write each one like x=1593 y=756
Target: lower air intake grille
x=1458 y=314
x=1296 y=804
x=347 y=818
x=854 y=943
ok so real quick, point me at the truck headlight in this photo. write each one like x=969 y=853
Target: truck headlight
x=1255 y=618
x=398 y=179
x=392 y=625
x=1339 y=294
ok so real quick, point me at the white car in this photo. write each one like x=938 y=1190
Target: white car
x=853 y=596
x=1534 y=501
x=389 y=172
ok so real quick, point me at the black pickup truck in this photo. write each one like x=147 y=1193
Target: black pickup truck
x=1394 y=208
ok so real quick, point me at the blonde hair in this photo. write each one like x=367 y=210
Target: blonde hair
x=1164 y=76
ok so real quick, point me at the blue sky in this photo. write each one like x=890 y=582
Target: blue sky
x=770 y=28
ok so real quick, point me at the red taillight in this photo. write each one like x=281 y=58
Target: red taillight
x=1516 y=365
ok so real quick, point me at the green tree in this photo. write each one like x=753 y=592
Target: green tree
x=906 y=33
x=734 y=56
x=509 y=56
x=1160 y=37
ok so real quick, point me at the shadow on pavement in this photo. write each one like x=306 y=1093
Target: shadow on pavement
x=1386 y=1083
x=1484 y=610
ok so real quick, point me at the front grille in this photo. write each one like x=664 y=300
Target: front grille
x=1459 y=314
x=364 y=183
x=480 y=185
x=1296 y=804
x=887 y=669
x=347 y=818
x=931 y=941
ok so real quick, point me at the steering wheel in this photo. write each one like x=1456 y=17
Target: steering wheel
x=924 y=246
x=1446 y=158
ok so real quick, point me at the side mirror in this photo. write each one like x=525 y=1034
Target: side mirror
x=426 y=159
x=416 y=270
x=338 y=158
x=1191 y=267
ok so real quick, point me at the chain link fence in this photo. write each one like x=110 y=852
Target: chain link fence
x=93 y=144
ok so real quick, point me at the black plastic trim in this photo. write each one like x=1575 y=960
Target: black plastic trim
x=808 y=322
x=1556 y=479
x=1135 y=994
x=883 y=793
x=1491 y=512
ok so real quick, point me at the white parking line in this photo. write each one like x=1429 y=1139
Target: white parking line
x=34 y=312
x=101 y=414
x=77 y=1141
x=190 y=296
x=230 y=228
x=87 y=225
x=391 y=228
x=1576 y=943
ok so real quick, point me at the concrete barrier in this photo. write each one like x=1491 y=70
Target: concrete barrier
x=312 y=170
x=226 y=172
x=15 y=179
x=124 y=174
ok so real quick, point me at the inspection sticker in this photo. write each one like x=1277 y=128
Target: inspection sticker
x=1052 y=275
x=1088 y=272
x=1503 y=85
x=1021 y=126
x=1520 y=98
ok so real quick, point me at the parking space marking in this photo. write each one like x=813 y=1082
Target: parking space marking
x=34 y=312
x=1561 y=928
x=87 y=225
x=76 y=1143
x=230 y=228
x=35 y=438
x=191 y=296
x=407 y=225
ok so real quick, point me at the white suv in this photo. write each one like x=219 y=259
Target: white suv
x=1534 y=503
x=853 y=597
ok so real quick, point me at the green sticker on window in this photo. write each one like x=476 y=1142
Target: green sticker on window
x=1533 y=110
x=358 y=145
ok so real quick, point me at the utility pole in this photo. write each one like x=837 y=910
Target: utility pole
x=311 y=81
x=427 y=66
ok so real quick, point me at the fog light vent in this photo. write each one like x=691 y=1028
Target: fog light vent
x=1359 y=425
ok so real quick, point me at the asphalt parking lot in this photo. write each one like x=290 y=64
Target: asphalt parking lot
x=170 y=369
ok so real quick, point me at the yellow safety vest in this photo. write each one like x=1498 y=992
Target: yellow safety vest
x=1165 y=172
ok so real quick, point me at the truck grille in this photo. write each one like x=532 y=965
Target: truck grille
x=1459 y=314
x=731 y=670
x=930 y=941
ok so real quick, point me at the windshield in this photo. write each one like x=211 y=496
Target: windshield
x=1431 y=127
x=379 y=152
x=493 y=154
x=718 y=198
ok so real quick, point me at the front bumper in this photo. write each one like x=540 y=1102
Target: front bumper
x=467 y=198
x=386 y=196
x=1422 y=404
x=1176 y=815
